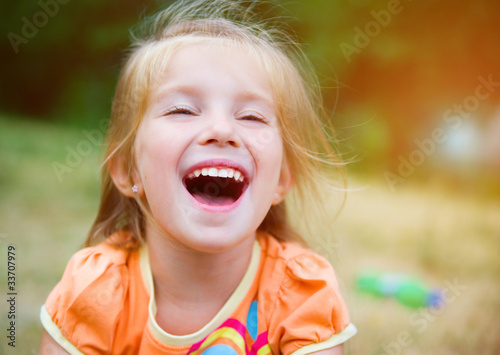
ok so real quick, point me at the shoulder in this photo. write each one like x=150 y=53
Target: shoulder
x=302 y=301
x=296 y=265
x=102 y=265
x=97 y=258
x=285 y=250
x=84 y=307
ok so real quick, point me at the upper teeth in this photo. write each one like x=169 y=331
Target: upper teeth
x=218 y=172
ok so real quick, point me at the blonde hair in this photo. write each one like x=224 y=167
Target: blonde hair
x=309 y=145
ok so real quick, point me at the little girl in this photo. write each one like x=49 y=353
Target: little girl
x=213 y=123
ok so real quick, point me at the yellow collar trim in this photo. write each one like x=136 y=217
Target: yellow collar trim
x=225 y=312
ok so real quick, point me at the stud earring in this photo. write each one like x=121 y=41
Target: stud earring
x=135 y=189
x=276 y=196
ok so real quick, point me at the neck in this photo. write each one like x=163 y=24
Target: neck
x=188 y=280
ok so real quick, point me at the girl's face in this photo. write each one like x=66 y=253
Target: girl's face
x=209 y=151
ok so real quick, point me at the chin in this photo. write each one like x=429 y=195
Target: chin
x=217 y=240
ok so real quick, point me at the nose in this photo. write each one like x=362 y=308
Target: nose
x=220 y=131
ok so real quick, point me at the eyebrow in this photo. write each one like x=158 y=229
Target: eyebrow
x=254 y=96
x=186 y=90
x=194 y=91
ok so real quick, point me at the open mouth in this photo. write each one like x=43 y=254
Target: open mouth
x=216 y=186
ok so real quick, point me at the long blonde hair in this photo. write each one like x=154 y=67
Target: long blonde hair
x=309 y=144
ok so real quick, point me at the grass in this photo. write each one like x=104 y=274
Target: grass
x=44 y=217
x=439 y=236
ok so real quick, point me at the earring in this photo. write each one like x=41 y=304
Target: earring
x=276 y=196
x=135 y=189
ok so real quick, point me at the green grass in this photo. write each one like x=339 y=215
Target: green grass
x=44 y=217
x=439 y=237
x=421 y=230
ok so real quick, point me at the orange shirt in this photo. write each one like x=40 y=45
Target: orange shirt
x=288 y=302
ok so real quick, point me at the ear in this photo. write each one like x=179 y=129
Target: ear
x=124 y=180
x=285 y=183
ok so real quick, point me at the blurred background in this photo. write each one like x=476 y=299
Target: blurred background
x=414 y=91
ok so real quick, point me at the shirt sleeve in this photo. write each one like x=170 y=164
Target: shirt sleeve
x=309 y=313
x=82 y=311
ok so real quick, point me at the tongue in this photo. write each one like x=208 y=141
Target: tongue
x=209 y=199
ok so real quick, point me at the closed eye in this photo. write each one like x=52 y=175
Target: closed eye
x=252 y=117
x=178 y=110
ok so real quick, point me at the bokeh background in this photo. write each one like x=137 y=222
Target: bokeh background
x=414 y=91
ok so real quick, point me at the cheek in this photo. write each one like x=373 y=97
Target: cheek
x=274 y=149
x=268 y=150
x=266 y=140
x=155 y=170
x=155 y=155
x=159 y=142
x=154 y=164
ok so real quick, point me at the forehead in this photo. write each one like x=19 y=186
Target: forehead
x=202 y=63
